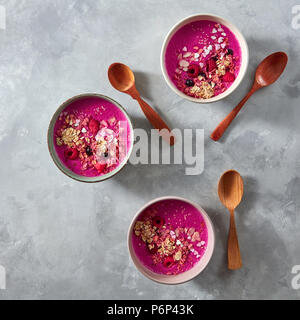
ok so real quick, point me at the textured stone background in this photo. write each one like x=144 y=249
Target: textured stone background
x=64 y=239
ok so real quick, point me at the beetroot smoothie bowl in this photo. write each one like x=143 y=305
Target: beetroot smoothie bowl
x=204 y=58
x=171 y=240
x=90 y=137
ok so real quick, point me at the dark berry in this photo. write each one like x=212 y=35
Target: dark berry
x=230 y=51
x=214 y=58
x=202 y=74
x=88 y=151
x=105 y=154
x=189 y=82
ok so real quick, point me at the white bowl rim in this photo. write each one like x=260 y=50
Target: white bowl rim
x=182 y=276
x=242 y=42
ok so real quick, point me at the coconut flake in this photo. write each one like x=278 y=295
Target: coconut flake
x=186 y=55
x=183 y=63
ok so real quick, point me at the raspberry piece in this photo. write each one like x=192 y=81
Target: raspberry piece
x=100 y=167
x=94 y=126
x=158 y=221
x=193 y=70
x=71 y=153
x=228 y=77
x=168 y=262
x=211 y=65
x=154 y=249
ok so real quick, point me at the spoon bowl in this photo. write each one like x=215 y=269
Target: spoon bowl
x=270 y=69
x=230 y=190
x=122 y=79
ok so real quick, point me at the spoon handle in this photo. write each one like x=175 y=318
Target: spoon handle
x=234 y=255
x=221 y=128
x=156 y=121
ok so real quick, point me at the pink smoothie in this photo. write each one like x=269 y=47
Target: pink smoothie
x=92 y=136
x=170 y=237
x=203 y=59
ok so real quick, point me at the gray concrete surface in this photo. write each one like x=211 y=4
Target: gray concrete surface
x=61 y=239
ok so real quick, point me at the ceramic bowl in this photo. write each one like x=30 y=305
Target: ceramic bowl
x=239 y=37
x=181 y=277
x=54 y=154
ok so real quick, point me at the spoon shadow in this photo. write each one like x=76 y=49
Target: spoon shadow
x=146 y=83
x=142 y=83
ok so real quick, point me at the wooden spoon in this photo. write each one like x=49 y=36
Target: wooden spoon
x=121 y=78
x=230 y=191
x=267 y=72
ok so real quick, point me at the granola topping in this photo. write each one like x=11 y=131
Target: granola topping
x=89 y=143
